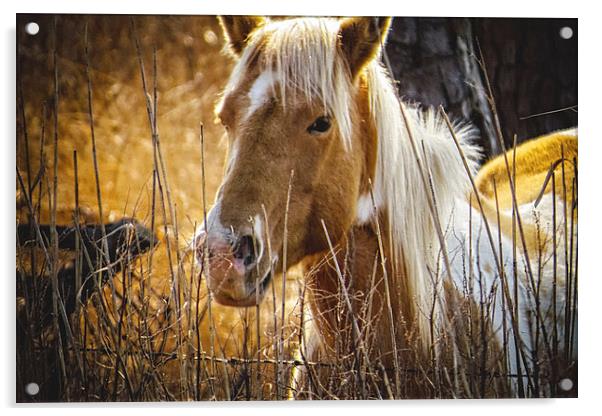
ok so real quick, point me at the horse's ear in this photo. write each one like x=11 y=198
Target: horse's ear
x=361 y=39
x=237 y=30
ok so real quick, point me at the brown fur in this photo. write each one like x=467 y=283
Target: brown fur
x=361 y=39
x=534 y=159
x=249 y=187
x=237 y=30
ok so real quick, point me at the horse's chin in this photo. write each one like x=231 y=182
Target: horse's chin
x=254 y=297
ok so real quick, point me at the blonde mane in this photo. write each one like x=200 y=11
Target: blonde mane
x=303 y=58
x=399 y=191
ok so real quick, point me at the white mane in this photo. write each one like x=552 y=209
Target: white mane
x=399 y=188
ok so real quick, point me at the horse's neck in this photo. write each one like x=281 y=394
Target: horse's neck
x=355 y=256
x=365 y=300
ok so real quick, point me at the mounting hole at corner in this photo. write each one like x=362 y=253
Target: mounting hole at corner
x=566 y=32
x=32 y=28
x=566 y=384
x=32 y=389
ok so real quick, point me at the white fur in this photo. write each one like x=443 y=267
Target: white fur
x=412 y=177
x=365 y=209
x=259 y=92
x=258 y=234
x=475 y=272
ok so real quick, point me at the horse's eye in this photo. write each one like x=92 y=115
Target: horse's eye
x=321 y=125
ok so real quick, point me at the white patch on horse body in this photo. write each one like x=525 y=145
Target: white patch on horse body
x=475 y=269
x=366 y=208
x=259 y=92
x=475 y=272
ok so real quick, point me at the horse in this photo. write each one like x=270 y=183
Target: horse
x=380 y=203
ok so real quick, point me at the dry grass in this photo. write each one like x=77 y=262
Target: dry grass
x=108 y=127
x=146 y=342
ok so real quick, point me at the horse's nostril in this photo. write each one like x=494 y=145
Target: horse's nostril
x=245 y=250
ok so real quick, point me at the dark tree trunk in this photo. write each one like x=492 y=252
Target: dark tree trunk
x=533 y=73
x=433 y=61
x=532 y=70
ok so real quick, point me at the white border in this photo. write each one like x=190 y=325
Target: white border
x=590 y=181
x=551 y=8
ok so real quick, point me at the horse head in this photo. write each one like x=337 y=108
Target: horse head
x=301 y=147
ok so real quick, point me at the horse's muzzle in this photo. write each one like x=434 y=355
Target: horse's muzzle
x=230 y=265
